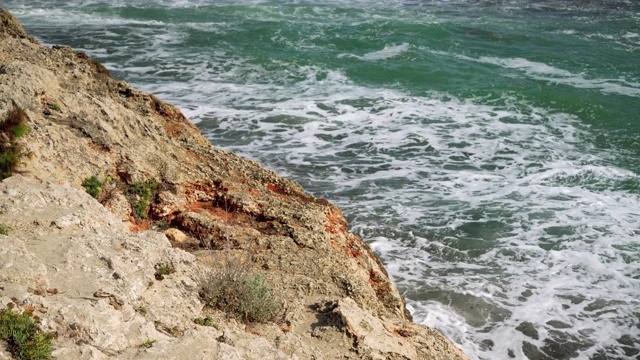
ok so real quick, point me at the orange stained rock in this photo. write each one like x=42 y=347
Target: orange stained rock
x=379 y=284
x=141 y=225
x=352 y=248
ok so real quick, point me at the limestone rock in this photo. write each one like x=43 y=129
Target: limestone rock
x=119 y=205
x=92 y=281
x=176 y=235
x=370 y=334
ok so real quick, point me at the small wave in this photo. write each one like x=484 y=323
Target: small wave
x=64 y=17
x=542 y=71
x=386 y=53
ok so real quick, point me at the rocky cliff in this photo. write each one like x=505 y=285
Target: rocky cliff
x=90 y=269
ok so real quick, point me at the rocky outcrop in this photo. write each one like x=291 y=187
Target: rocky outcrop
x=88 y=267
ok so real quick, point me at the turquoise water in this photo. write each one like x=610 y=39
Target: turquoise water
x=487 y=150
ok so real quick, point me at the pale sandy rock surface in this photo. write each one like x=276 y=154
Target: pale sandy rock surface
x=88 y=267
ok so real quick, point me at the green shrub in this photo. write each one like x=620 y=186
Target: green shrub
x=12 y=128
x=143 y=190
x=17 y=118
x=4 y=229
x=20 y=130
x=242 y=293
x=10 y=158
x=25 y=340
x=93 y=186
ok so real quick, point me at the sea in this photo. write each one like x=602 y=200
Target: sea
x=487 y=150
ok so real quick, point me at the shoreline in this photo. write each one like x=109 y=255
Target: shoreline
x=329 y=280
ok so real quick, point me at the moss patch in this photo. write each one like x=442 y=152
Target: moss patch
x=93 y=186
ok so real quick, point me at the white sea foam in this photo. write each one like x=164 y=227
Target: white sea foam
x=64 y=17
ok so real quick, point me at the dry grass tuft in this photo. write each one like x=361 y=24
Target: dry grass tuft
x=240 y=291
x=12 y=128
x=236 y=288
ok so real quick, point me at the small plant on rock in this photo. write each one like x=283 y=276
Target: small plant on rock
x=93 y=186
x=55 y=106
x=12 y=128
x=142 y=310
x=161 y=224
x=242 y=293
x=208 y=321
x=25 y=340
x=237 y=289
x=143 y=191
x=149 y=343
x=4 y=229
x=163 y=270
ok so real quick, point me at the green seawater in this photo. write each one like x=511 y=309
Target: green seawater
x=582 y=60
x=488 y=150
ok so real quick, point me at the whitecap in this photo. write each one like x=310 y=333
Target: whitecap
x=542 y=71
x=388 y=52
